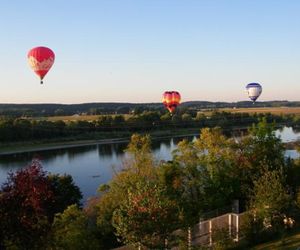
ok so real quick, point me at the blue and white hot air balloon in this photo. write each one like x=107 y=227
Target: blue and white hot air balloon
x=254 y=90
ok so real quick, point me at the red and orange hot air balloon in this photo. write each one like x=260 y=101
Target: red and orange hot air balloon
x=171 y=99
x=41 y=60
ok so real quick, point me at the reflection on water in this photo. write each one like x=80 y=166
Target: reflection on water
x=93 y=165
x=288 y=134
x=292 y=153
x=89 y=166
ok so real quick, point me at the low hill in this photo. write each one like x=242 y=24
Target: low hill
x=51 y=109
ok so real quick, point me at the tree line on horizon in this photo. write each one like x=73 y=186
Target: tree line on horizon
x=48 y=109
x=148 y=200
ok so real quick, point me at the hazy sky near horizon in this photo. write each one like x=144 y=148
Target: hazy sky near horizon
x=134 y=50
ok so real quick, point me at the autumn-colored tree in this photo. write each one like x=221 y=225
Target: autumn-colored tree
x=23 y=208
x=28 y=202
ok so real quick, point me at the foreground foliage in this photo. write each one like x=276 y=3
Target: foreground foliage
x=72 y=230
x=148 y=200
x=28 y=202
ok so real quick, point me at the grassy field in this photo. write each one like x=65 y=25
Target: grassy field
x=73 y=118
x=275 y=111
x=291 y=242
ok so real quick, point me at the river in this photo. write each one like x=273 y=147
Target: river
x=93 y=165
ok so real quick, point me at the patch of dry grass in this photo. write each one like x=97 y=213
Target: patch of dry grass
x=74 y=118
x=273 y=110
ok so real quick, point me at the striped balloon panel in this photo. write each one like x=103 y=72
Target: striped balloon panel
x=254 y=90
x=171 y=99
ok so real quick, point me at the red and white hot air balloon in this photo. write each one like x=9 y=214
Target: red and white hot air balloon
x=41 y=60
x=171 y=99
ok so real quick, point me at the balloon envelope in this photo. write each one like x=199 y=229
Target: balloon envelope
x=254 y=90
x=171 y=99
x=41 y=60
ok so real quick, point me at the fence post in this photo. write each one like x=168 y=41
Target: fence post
x=210 y=232
x=189 y=238
x=166 y=244
x=229 y=225
x=200 y=225
x=237 y=227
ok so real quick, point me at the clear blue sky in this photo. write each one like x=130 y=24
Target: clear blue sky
x=134 y=50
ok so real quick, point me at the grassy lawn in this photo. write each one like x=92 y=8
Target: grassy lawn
x=291 y=242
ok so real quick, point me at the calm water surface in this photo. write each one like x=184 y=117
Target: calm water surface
x=89 y=166
x=93 y=165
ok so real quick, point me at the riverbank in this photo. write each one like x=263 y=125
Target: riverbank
x=25 y=147
x=107 y=138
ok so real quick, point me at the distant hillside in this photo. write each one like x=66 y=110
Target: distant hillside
x=48 y=109
x=242 y=104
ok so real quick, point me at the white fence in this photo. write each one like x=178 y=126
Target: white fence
x=202 y=233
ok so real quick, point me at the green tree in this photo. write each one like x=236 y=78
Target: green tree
x=72 y=230
x=166 y=117
x=200 y=116
x=256 y=153
x=65 y=192
x=209 y=173
x=186 y=117
x=214 y=150
x=139 y=150
x=147 y=216
x=270 y=198
x=138 y=110
x=217 y=155
x=263 y=148
x=187 y=179
x=59 y=112
x=22 y=129
x=139 y=164
x=270 y=202
x=176 y=119
x=7 y=130
x=118 y=120
x=59 y=127
x=104 y=121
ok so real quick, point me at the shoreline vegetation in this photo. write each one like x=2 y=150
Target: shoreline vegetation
x=154 y=199
x=33 y=147
x=29 y=147
x=25 y=134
